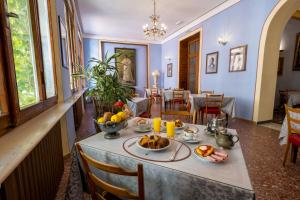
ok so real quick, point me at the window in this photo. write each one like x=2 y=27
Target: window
x=46 y=47
x=27 y=76
x=23 y=52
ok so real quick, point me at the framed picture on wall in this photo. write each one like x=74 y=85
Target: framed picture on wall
x=296 y=66
x=238 y=59
x=169 y=69
x=63 y=37
x=212 y=63
x=126 y=64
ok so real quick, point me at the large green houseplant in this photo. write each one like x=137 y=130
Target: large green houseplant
x=105 y=86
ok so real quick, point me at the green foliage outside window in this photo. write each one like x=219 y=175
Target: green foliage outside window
x=23 y=52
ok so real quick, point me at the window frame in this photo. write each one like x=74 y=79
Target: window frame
x=17 y=115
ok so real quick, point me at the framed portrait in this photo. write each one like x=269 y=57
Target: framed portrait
x=169 y=69
x=212 y=63
x=64 y=49
x=238 y=59
x=296 y=66
x=280 y=66
x=126 y=64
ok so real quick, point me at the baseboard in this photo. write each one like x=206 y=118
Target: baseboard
x=264 y=122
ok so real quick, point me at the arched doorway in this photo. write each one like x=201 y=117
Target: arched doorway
x=268 y=59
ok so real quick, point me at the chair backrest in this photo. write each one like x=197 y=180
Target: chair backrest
x=154 y=91
x=149 y=106
x=292 y=120
x=206 y=92
x=214 y=100
x=178 y=114
x=95 y=181
x=178 y=93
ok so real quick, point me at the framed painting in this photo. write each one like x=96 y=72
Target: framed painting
x=238 y=59
x=212 y=63
x=63 y=36
x=169 y=69
x=126 y=64
x=296 y=66
x=280 y=66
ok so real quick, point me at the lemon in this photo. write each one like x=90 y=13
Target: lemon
x=122 y=115
x=115 y=118
x=101 y=120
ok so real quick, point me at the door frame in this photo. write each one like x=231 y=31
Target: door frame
x=200 y=31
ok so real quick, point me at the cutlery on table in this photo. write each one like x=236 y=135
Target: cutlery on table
x=133 y=143
x=176 y=152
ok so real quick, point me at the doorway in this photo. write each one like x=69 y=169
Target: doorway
x=268 y=59
x=189 y=62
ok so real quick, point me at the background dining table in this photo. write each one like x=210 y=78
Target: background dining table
x=138 y=105
x=191 y=178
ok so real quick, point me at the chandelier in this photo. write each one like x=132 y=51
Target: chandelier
x=156 y=29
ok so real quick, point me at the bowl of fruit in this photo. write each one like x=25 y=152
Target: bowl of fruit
x=112 y=123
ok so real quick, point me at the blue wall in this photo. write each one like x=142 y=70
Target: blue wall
x=91 y=49
x=243 y=24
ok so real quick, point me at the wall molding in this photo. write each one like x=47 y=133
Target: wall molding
x=122 y=40
x=216 y=10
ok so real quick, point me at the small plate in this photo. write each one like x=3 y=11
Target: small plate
x=154 y=150
x=206 y=159
x=195 y=140
x=139 y=130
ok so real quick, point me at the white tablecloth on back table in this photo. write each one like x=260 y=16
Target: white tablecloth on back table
x=138 y=105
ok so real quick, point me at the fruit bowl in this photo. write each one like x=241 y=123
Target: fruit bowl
x=111 y=129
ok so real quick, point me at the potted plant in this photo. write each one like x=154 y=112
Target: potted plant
x=105 y=87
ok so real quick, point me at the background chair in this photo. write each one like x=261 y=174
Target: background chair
x=178 y=97
x=293 y=133
x=213 y=105
x=183 y=115
x=155 y=95
x=109 y=191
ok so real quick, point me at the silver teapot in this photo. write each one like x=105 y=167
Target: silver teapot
x=225 y=139
x=215 y=124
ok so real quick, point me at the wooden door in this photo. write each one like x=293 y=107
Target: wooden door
x=193 y=66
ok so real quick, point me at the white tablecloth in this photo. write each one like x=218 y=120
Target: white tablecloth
x=283 y=136
x=191 y=178
x=198 y=101
x=138 y=105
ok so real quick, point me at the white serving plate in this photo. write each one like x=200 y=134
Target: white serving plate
x=139 y=130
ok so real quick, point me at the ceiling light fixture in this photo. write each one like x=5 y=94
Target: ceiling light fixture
x=156 y=29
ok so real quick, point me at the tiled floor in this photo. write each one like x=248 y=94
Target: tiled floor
x=262 y=153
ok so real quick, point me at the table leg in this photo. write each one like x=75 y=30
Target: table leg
x=294 y=153
x=195 y=117
x=227 y=119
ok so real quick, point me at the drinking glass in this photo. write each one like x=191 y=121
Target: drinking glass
x=156 y=124
x=171 y=129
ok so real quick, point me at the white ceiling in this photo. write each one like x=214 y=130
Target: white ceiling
x=123 y=19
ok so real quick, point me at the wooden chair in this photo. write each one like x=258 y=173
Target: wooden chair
x=186 y=114
x=213 y=105
x=293 y=134
x=206 y=92
x=110 y=191
x=178 y=97
x=155 y=95
x=147 y=114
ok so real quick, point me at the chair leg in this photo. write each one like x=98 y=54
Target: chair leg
x=286 y=153
x=294 y=153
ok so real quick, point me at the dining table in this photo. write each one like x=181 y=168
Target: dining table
x=293 y=98
x=138 y=105
x=186 y=177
